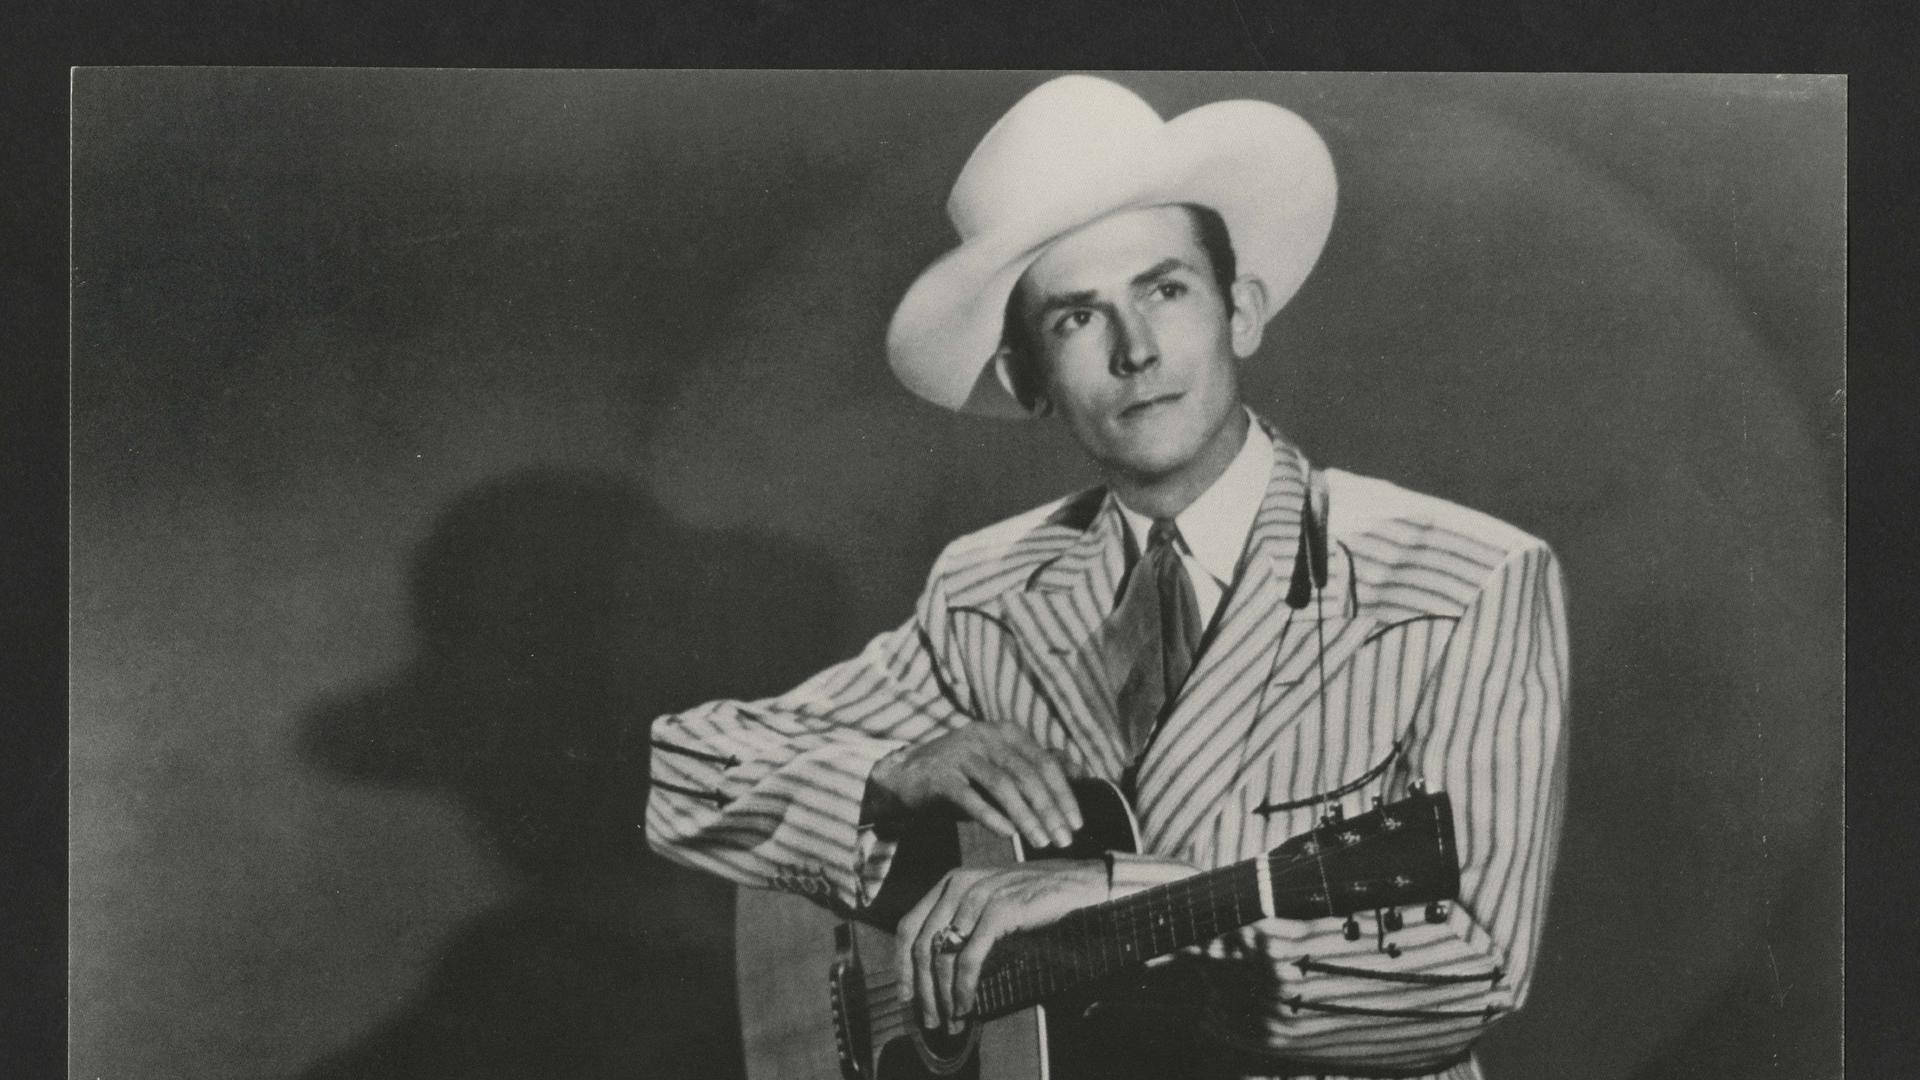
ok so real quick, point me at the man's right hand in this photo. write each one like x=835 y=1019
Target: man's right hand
x=996 y=775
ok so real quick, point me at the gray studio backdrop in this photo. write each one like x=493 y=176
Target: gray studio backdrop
x=428 y=424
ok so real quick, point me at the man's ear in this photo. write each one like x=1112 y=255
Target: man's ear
x=1249 y=320
x=1003 y=371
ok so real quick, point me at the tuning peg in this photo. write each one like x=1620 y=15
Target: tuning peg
x=1418 y=786
x=1436 y=912
x=1351 y=930
x=1392 y=919
x=1377 y=801
x=1393 y=951
x=1333 y=816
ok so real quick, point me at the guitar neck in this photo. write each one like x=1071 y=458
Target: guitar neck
x=1399 y=854
x=1106 y=939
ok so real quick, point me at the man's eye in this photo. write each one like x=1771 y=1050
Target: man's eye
x=1071 y=321
x=1171 y=290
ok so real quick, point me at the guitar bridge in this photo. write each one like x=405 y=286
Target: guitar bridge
x=852 y=1028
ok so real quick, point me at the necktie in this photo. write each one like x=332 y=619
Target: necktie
x=1150 y=640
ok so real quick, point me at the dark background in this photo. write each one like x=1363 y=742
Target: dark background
x=418 y=417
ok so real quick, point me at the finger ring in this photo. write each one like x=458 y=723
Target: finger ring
x=950 y=940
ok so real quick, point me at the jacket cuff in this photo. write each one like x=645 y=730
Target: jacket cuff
x=872 y=851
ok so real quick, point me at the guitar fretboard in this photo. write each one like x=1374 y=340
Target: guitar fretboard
x=1392 y=855
x=1108 y=938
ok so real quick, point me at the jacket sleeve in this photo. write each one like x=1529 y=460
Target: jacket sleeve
x=1493 y=718
x=768 y=793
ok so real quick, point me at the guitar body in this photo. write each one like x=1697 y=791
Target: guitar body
x=817 y=998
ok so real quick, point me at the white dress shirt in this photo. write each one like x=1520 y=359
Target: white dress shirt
x=1215 y=526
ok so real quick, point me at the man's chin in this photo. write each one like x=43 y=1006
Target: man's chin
x=1148 y=465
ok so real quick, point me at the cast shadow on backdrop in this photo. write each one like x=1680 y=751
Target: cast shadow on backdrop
x=555 y=613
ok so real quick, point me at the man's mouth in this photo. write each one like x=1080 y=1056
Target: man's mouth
x=1145 y=404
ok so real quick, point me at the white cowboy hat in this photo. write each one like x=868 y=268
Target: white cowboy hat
x=1076 y=149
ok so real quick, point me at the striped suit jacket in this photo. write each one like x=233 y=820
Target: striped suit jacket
x=1439 y=639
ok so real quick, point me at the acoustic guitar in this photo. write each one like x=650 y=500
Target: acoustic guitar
x=819 y=995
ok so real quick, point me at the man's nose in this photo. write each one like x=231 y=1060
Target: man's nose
x=1134 y=349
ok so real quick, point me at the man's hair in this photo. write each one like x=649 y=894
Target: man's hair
x=1026 y=361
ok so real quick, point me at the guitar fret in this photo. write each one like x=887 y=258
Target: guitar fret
x=1211 y=912
x=1106 y=957
x=1309 y=876
x=1206 y=913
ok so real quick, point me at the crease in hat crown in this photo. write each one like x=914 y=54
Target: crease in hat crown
x=1044 y=149
x=1075 y=149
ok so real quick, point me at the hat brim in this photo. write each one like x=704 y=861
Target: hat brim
x=1261 y=167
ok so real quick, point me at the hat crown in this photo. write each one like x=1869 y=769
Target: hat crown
x=1045 y=150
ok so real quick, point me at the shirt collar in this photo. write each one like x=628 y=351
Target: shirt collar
x=1215 y=525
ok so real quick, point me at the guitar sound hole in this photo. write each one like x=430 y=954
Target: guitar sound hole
x=937 y=1055
x=944 y=1046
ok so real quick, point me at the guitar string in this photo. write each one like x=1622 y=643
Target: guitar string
x=1075 y=959
x=1007 y=988
x=1129 y=919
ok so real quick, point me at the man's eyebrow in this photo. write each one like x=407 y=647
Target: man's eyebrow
x=1161 y=269
x=1086 y=297
x=1056 y=301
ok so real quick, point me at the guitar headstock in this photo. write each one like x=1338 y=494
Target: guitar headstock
x=1401 y=853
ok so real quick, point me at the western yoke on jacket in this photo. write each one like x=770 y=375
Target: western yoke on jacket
x=1439 y=639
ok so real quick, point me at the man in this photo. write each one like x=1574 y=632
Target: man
x=1173 y=630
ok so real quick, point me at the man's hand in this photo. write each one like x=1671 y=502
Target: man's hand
x=996 y=775
x=983 y=906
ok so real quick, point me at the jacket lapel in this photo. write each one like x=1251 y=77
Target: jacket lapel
x=1257 y=676
x=1056 y=622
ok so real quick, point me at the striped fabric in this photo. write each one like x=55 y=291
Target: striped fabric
x=1445 y=660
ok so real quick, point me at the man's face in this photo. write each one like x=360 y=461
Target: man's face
x=1137 y=342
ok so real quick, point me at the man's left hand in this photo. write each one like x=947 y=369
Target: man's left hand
x=983 y=906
